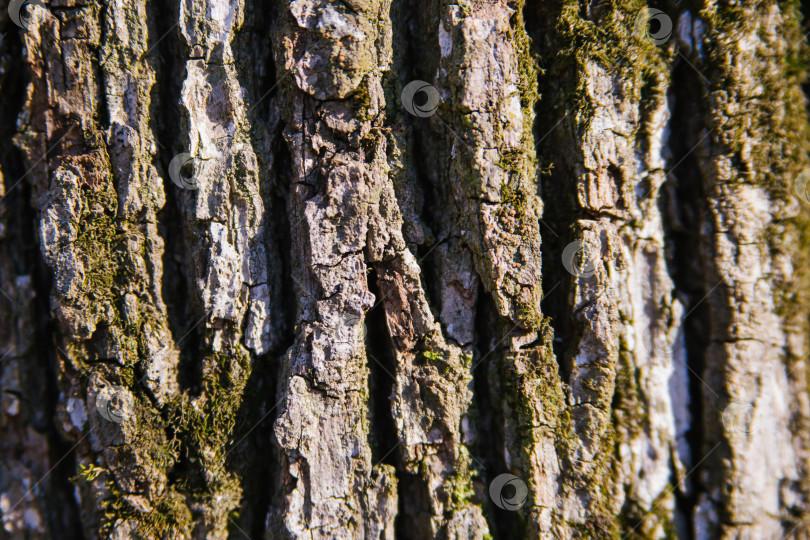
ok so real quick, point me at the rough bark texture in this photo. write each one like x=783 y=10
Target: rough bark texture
x=304 y=269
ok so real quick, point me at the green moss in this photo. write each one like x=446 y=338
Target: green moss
x=203 y=426
x=641 y=523
x=758 y=116
x=535 y=400
x=209 y=420
x=430 y=355
x=108 y=246
x=90 y=472
x=97 y=236
x=168 y=518
x=630 y=411
x=611 y=42
x=534 y=391
x=206 y=424
x=361 y=100
x=467 y=359
x=459 y=484
x=101 y=246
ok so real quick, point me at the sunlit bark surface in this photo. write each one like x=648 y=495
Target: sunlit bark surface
x=377 y=269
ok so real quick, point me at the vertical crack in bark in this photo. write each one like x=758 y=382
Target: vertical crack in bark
x=450 y=278
x=256 y=459
x=432 y=392
x=432 y=396
x=178 y=283
x=31 y=443
x=183 y=306
x=485 y=173
x=382 y=366
x=683 y=208
x=490 y=444
x=235 y=276
x=226 y=194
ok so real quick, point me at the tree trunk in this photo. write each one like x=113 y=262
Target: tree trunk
x=303 y=269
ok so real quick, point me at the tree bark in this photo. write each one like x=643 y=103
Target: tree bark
x=303 y=269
